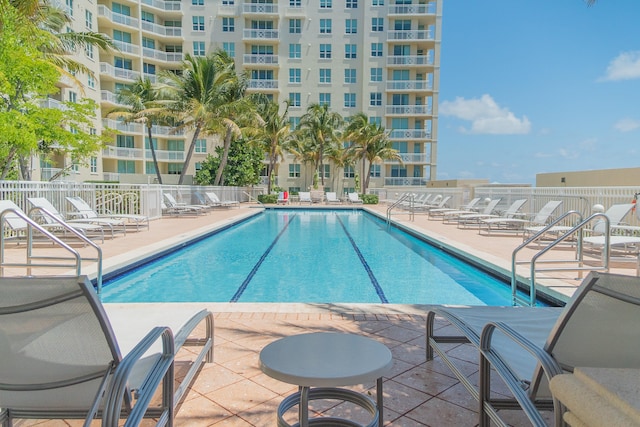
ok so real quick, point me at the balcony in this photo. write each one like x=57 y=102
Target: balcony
x=410 y=61
x=162 y=56
x=161 y=30
x=53 y=103
x=141 y=154
x=263 y=84
x=262 y=60
x=406 y=181
x=409 y=134
x=412 y=9
x=409 y=85
x=261 y=34
x=138 y=128
x=47 y=173
x=408 y=110
x=118 y=73
x=109 y=97
x=111 y=177
x=124 y=47
x=410 y=158
x=168 y=6
x=117 y=18
x=260 y=9
x=409 y=35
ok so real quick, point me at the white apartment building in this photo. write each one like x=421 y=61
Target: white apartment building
x=380 y=57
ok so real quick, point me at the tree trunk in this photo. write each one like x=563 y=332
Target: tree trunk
x=153 y=154
x=225 y=157
x=24 y=168
x=366 y=180
x=7 y=165
x=189 y=154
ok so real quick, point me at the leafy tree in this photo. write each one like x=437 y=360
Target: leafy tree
x=244 y=164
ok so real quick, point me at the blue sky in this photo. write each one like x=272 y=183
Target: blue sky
x=534 y=86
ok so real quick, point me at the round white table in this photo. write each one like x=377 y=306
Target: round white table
x=326 y=361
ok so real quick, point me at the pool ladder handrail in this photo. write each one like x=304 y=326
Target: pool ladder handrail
x=576 y=229
x=402 y=198
x=29 y=264
x=251 y=197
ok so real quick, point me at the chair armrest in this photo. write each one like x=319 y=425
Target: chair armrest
x=162 y=369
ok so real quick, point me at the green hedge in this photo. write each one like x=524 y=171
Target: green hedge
x=268 y=198
x=369 y=199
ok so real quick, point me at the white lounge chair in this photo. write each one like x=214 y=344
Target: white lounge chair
x=467 y=208
x=51 y=217
x=436 y=205
x=527 y=346
x=213 y=198
x=620 y=246
x=172 y=203
x=354 y=198
x=304 y=197
x=283 y=198
x=490 y=225
x=332 y=198
x=84 y=211
x=65 y=355
x=474 y=220
x=454 y=216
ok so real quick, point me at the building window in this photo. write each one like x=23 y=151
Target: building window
x=294 y=122
x=73 y=97
x=88 y=20
x=93 y=165
x=350 y=75
x=376 y=74
x=325 y=99
x=148 y=43
x=295 y=75
x=228 y=2
x=376 y=120
x=349 y=100
x=91 y=81
x=376 y=49
x=201 y=146
x=294 y=99
x=121 y=9
x=295 y=3
x=295 y=50
x=352 y=4
x=295 y=26
x=326 y=172
x=126 y=166
x=375 y=99
x=326 y=4
x=325 y=26
x=325 y=51
x=230 y=48
x=325 y=75
x=198 y=23
x=88 y=51
x=175 y=145
x=124 y=141
x=351 y=26
x=377 y=24
x=149 y=68
x=150 y=168
x=197 y=2
x=198 y=49
x=377 y=3
x=147 y=17
x=350 y=51
x=122 y=36
x=69 y=7
x=375 y=171
x=349 y=172
x=228 y=25
x=294 y=170
x=174 y=168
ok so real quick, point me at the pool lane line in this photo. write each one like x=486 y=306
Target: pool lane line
x=372 y=277
x=255 y=268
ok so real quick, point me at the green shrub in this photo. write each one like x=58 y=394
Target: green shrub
x=268 y=198
x=369 y=199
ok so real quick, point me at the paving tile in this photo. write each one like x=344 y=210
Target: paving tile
x=241 y=396
x=437 y=412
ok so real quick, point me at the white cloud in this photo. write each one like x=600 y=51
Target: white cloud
x=485 y=115
x=626 y=125
x=625 y=66
x=589 y=144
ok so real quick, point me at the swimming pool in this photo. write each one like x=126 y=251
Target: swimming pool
x=313 y=256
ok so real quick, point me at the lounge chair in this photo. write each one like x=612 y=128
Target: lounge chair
x=527 y=346
x=468 y=208
x=213 y=198
x=622 y=245
x=474 y=220
x=305 y=197
x=332 y=198
x=436 y=205
x=454 y=216
x=543 y=216
x=172 y=203
x=65 y=355
x=354 y=198
x=51 y=217
x=84 y=211
x=283 y=198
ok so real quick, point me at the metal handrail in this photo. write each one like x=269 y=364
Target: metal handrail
x=402 y=198
x=29 y=264
x=251 y=197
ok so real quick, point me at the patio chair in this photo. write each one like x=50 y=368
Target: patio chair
x=178 y=210
x=426 y=207
x=65 y=355
x=527 y=346
x=283 y=198
x=543 y=216
x=213 y=197
x=174 y=204
x=84 y=211
x=332 y=198
x=354 y=198
x=467 y=220
x=304 y=197
x=454 y=216
x=467 y=208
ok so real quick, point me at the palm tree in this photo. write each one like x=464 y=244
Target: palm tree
x=370 y=142
x=207 y=97
x=321 y=129
x=273 y=131
x=141 y=99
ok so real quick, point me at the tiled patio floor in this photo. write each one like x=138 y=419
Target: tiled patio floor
x=233 y=391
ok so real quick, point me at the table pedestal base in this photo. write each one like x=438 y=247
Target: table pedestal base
x=327 y=393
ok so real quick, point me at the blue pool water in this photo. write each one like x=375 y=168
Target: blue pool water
x=315 y=256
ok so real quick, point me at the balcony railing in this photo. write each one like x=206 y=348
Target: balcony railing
x=263 y=84
x=260 y=8
x=120 y=73
x=117 y=18
x=110 y=97
x=175 y=6
x=162 y=56
x=409 y=109
x=125 y=47
x=260 y=34
x=52 y=103
x=47 y=173
x=141 y=154
x=409 y=60
x=417 y=35
x=111 y=176
x=411 y=158
x=138 y=128
x=161 y=30
x=405 y=181
x=409 y=85
x=260 y=59
x=409 y=134
x=412 y=9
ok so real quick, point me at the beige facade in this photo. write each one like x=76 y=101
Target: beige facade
x=591 y=178
x=375 y=56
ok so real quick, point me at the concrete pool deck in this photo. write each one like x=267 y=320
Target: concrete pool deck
x=233 y=391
